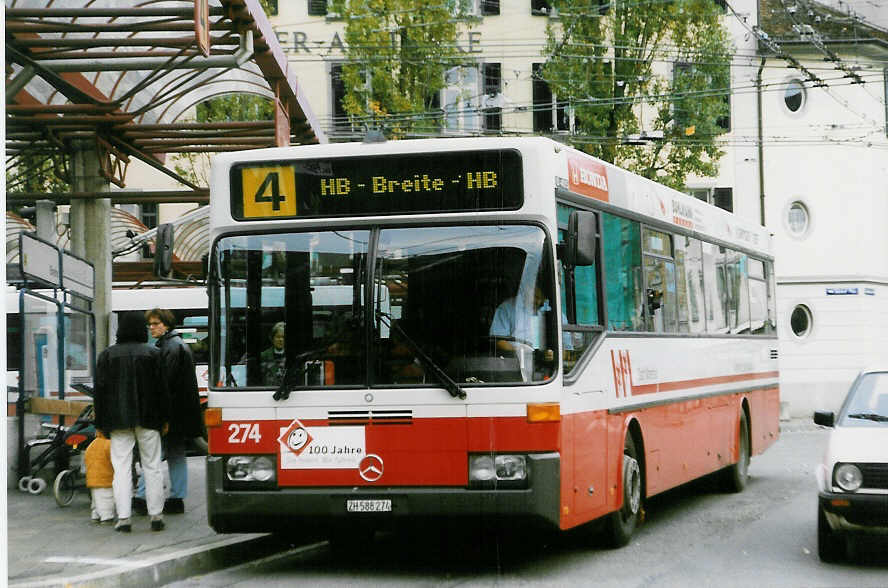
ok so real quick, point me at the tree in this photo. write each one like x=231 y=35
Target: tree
x=31 y=171
x=194 y=167
x=398 y=51
x=601 y=60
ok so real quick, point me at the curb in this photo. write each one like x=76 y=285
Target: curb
x=170 y=567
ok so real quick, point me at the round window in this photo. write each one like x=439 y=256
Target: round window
x=800 y=320
x=794 y=96
x=798 y=218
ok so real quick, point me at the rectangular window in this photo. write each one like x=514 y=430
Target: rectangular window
x=474 y=300
x=659 y=283
x=713 y=281
x=540 y=7
x=490 y=7
x=542 y=101
x=723 y=198
x=689 y=284
x=758 y=297
x=493 y=86
x=720 y=197
x=317 y=7
x=771 y=280
x=546 y=108
x=337 y=94
x=621 y=247
x=462 y=97
x=581 y=289
x=149 y=214
x=736 y=291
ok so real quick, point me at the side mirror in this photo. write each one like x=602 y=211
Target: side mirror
x=582 y=228
x=163 y=251
x=825 y=418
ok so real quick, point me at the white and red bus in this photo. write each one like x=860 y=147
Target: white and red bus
x=518 y=331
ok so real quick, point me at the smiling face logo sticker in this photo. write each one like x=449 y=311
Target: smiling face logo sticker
x=296 y=438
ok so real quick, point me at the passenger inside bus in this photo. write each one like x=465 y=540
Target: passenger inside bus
x=273 y=359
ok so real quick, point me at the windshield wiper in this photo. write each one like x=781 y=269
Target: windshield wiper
x=283 y=391
x=449 y=383
x=870 y=416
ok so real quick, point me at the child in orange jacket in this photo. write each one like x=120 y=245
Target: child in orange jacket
x=99 y=476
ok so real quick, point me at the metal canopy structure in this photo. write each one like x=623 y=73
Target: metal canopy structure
x=119 y=74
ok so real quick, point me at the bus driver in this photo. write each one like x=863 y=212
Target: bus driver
x=523 y=322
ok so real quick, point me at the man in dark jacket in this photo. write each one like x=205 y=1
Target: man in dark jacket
x=186 y=420
x=132 y=405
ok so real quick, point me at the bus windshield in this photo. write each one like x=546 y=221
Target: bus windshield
x=376 y=307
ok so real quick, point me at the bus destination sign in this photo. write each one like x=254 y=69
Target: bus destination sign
x=384 y=184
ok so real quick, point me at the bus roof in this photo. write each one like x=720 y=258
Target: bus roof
x=558 y=166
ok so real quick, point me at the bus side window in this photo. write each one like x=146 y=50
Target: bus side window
x=621 y=246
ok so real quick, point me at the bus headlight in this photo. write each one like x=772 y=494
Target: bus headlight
x=499 y=471
x=249 y=468
x=848 y=477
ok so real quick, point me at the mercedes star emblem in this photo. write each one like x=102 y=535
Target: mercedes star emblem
x=370 y=467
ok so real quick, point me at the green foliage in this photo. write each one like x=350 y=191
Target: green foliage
x=398 y=52
x=235 y=107
x=601 y=60
x=31 y=172
x=195 y=167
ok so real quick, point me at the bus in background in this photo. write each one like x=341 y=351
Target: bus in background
x=522 y=332
x=189 y=304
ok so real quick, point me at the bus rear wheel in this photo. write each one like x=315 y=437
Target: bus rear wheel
x=735 y=477
x=621 y=524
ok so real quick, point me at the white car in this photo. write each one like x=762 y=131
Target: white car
x=853 y=478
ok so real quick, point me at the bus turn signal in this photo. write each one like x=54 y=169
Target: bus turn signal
x=213 y=417
x=544 y=412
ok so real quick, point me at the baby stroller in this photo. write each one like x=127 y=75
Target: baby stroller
x=62 y=443
x=77 y=438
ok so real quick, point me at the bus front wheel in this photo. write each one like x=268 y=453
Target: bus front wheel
x=621 y=524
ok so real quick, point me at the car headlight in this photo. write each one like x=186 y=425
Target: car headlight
x=848 y=477
x=249 y=468
x=503 y=471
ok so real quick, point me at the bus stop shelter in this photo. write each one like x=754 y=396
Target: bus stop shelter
x=99 y=83
x=94 y=84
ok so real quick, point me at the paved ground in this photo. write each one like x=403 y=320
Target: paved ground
x=54 y=546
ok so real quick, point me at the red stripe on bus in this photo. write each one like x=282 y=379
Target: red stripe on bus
x=697 y=382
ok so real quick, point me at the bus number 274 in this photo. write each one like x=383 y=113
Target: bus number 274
x=241 y=433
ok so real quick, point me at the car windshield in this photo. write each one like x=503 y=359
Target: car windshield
x=473 y=303
x=867 y=402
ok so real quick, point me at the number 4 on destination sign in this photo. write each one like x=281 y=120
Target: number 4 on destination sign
x=269 y=191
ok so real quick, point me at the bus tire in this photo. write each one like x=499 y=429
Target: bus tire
x=735 y=477
x=621 y=523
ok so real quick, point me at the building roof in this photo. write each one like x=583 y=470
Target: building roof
x=805 y=21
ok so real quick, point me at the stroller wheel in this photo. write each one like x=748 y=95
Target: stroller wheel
x=36 y=485
x=23 y=483
x=63 y=488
